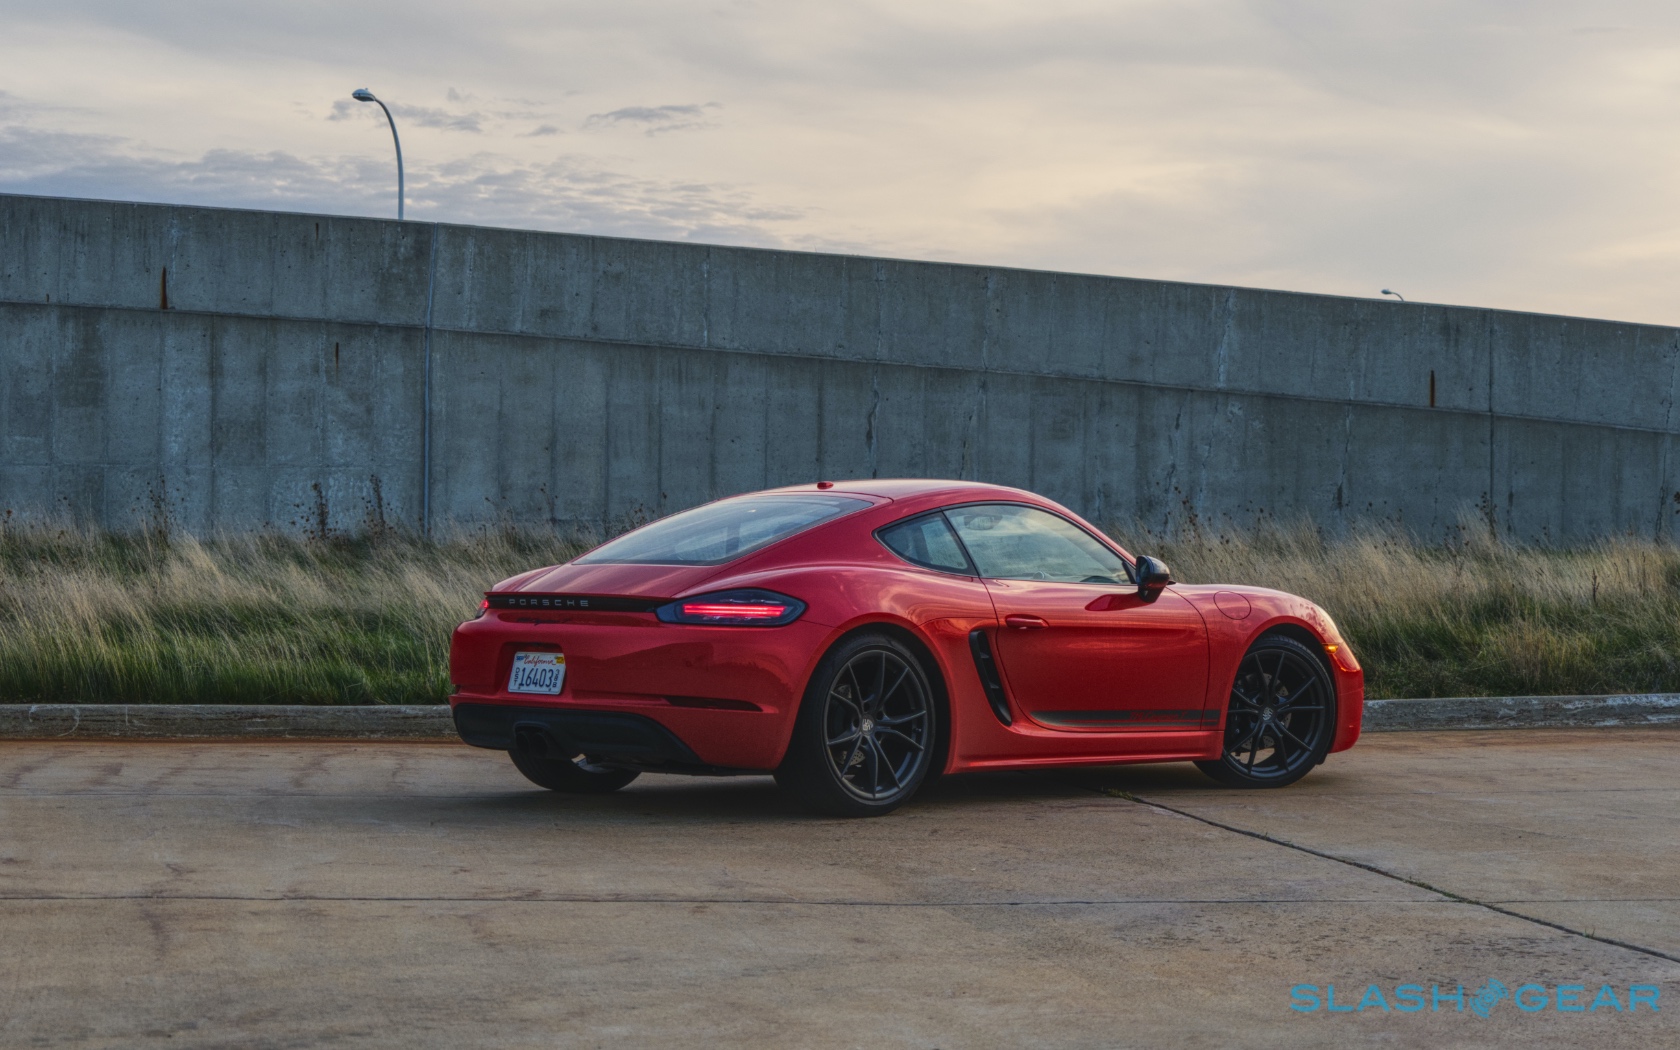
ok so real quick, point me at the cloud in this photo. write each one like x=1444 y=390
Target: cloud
x=427 y=117
x=566 y=193
x=656 y=119
x=1471 y=151
x=421 y=116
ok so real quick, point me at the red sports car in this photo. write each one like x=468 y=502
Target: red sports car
x=856 y=638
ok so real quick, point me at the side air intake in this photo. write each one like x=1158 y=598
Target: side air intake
x=990 y=680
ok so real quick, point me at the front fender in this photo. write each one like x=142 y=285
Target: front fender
x=1231 y=636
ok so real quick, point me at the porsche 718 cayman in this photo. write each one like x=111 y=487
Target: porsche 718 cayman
x=857 y=638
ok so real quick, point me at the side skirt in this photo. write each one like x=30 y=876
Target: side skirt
x=1049 y=749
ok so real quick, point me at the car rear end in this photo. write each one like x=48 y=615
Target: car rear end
x=602 y=675
x=626 y=656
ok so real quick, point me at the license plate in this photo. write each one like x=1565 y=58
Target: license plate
x=541 y=673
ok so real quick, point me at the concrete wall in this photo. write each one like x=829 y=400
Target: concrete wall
x=235 y=369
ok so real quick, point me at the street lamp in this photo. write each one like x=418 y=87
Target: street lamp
x=364 y=95
x=1396 y=295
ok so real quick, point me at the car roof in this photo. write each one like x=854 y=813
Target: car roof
x=912 y=496
x=908 y=488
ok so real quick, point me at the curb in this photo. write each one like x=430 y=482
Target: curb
x=224 y=722
x=432 y=723
x=1522 y=712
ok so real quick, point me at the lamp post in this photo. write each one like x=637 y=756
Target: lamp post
x=364 y=95
x=1396 y=295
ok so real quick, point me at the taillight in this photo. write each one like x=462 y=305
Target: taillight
x=744 y=608
x=483 y=607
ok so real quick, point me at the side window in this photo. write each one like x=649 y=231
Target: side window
x=1010 y=542
x=929 y=542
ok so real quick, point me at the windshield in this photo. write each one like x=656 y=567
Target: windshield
x=721 y=531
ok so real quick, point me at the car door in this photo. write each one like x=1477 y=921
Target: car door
x=1078 y=648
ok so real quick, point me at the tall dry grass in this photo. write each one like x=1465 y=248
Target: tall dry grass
x=89 y=617
x=1470 y=616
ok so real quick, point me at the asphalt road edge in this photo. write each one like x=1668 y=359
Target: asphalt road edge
x=432 y=723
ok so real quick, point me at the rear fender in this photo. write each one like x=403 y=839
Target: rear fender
x=935 y=609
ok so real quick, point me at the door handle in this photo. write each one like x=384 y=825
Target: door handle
x=1025 y=622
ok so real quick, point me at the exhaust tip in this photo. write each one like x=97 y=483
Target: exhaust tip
x=535 y=742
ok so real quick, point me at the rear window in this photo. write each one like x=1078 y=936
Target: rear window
x=721 y=531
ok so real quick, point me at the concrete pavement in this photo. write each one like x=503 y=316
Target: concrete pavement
x=372 y=895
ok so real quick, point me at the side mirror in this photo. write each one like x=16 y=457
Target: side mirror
x=1153 y=577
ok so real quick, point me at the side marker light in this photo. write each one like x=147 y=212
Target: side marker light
x=1343 y=657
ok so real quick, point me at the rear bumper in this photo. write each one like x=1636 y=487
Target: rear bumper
x=612 y=737
x=728 y=695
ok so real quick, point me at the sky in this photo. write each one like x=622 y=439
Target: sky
x=1523 y=155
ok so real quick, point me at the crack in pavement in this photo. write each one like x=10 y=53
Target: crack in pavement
x=1586 y=900
x=1375 y=870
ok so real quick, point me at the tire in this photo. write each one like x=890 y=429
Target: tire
x=574 y=776
x=1282 y=716
x=864 y=738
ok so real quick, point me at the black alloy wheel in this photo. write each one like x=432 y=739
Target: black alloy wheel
x=573 y=776
x=1282 y=717
x=864 y=738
